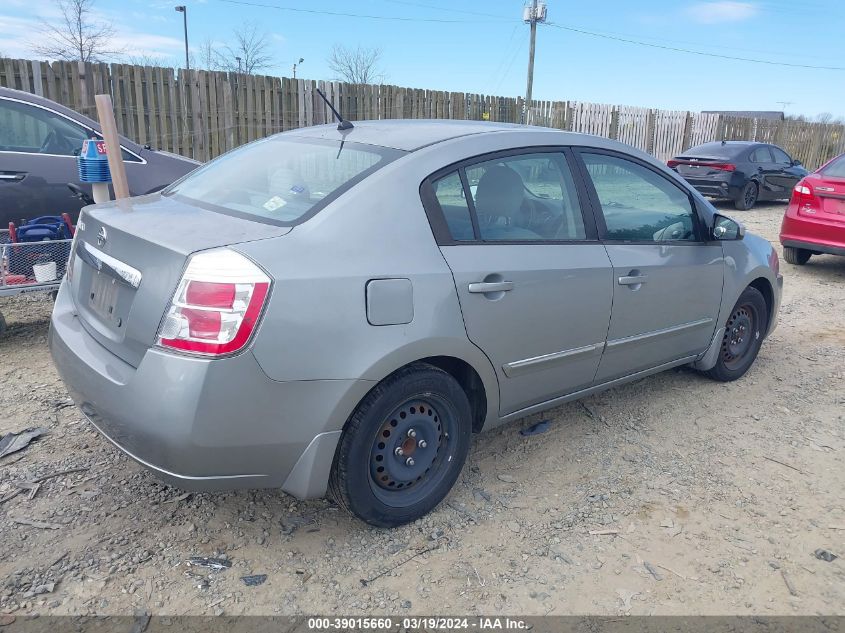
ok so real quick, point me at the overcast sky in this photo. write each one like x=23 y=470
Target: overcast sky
x=482 y=45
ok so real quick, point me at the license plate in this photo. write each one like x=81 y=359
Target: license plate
x=103 y=295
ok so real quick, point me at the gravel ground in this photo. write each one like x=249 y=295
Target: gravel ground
x=712 y=498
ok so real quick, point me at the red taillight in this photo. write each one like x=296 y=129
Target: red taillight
x=722 y=166
x=210 y=294
x=804 y=198
x=213 y=317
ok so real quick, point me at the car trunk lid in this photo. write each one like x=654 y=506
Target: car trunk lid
x=129 y=256
x=831 y=194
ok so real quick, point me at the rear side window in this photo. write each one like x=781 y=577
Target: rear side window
x=761 y=155
x=450 y=194
x=638 y=204
x=835 y=168
x=281 y=180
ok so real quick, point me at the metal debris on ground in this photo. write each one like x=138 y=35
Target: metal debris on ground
x=255 y=580
x=825 y=555
x=603 y=532
x=38 y=524
x=215 y=564
x=536 y=429
x=14 y=442
x=386 y=570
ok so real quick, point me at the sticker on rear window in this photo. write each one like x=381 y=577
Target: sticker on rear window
x=274 y=203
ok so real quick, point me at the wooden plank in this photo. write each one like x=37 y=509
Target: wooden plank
x=105 y=113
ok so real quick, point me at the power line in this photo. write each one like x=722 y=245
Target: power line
x=690 y=51
x=350 y=15
x=448 y=9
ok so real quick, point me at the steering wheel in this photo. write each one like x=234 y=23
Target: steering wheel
x=539 y=219
x=49 y=140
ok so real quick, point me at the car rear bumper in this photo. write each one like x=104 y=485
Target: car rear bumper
x=205 y=424
x=813 y=234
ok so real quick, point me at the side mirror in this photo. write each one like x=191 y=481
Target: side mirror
x=796 y=163
x=725 y=229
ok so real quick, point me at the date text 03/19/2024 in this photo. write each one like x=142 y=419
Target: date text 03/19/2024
x=424 y=622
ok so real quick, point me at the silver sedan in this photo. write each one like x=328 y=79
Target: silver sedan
x=338 y=310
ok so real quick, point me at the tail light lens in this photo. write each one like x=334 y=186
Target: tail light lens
x=216 y=306
x=804 y=197
x=720 y=166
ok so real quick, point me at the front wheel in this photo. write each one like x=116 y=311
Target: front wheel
x=403 y=447
x=744 y=331
x=796 y=256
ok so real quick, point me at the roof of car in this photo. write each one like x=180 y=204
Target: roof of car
x=410 y=134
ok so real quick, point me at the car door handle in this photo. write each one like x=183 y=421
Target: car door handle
x=19 y=175
x=632 y=280
x=490 y=286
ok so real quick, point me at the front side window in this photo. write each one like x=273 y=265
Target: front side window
x=280 y=180
x=781 y=157
x=525 y=197
x=638 y=204
x=26 y=128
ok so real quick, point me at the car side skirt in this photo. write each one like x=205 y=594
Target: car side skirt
x=550 y=404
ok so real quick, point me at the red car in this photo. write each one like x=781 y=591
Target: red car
x=814 y=222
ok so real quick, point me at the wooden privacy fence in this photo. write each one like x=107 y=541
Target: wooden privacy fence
x=203 y=114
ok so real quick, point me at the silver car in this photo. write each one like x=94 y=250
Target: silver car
x=339 y=310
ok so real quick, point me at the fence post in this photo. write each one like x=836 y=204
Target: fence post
x=651 y=122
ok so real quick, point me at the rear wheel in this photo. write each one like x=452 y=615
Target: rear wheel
x=747 y=197
x=403 y=448
x=744 y=331
x=797 y=256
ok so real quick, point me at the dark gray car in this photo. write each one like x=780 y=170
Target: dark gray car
x=341 y=310
x=742 y=171
x=39 y=140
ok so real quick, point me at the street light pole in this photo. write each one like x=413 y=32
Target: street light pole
x=294 y=66
x=184 y=11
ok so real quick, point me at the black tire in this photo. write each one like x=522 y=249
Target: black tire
x=796 y=256
x=744 y=331
x=425 y=412
x=747 y=197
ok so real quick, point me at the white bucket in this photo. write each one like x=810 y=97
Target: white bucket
x=44 y=272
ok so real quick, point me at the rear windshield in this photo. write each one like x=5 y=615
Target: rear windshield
x=835 y=168
x=715 y=150
x=280 y=180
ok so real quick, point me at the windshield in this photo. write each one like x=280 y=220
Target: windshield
x=835 y=168
x=280 y=180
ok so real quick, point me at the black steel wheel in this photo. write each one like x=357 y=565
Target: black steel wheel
x=747 y=197
x=403 y=448
x=745 y=329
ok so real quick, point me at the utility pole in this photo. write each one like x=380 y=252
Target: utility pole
x=533 y=13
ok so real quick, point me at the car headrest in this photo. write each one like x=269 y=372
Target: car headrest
x=499 y=192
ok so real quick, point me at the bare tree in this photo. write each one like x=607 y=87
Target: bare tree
x=76 y=35
x=250 y=52
x=356 y=65
x=209 y=56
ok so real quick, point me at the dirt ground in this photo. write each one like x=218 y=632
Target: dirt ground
x=717 y=496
